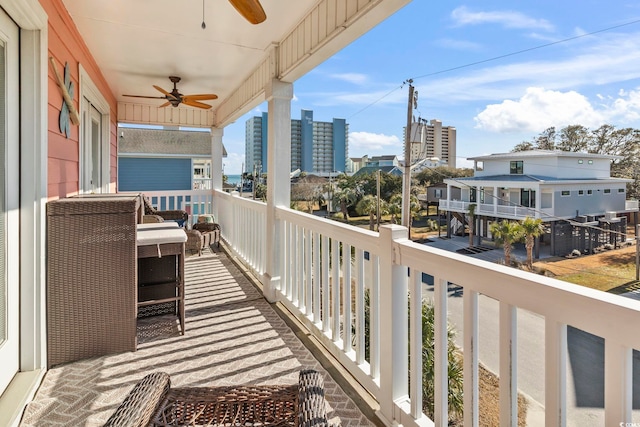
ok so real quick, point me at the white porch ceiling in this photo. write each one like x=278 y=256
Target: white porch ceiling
x=141 y=43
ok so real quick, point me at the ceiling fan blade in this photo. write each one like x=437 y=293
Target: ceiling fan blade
x=164 y=91
x=200 y=97
x=251 y=10
x=195 y=104
x=142 y=96
x=166 y=104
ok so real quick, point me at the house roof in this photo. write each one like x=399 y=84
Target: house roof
x=384 y=157
x=393 y=170
x=165 y=142
x=542 y=153
x=533 y=178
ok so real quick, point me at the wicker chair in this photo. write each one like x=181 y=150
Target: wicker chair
x=212 y=229
x=195 y=242
x=177 y=215
x=153 y=402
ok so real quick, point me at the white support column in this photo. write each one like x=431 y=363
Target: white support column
x=216 y=158
x=279 y=95
x=394 y=327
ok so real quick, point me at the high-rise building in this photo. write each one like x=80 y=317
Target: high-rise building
x=316 y=147
x=433 y=141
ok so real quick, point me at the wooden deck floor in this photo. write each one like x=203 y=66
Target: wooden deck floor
x=233 y=336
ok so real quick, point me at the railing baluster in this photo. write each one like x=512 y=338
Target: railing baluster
x=618 y=383
x=470 y=303
x=415 y=340
x=308 y=272
x=316 y=278
x=326 y=318
x=346 y=300
x=441 y=343
x=555 y=384
x=359 y=315
x=295 y=266
x=508 y=366
x=335 y=289
x=374 y=316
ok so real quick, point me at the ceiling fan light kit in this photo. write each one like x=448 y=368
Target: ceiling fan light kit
x=175 y=98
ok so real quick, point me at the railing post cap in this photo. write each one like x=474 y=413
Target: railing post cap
x=395 y=231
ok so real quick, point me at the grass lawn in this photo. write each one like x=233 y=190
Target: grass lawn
x=603 y=271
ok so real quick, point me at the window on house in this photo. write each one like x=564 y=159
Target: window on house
x=438 y=193
x=479 y=166
x=620 y=190
x=516 y=167
x=590 y=162
x=580 y=161
x=528 y=198
x=565 y=193
x=589 y=192
x=607 y=191
x=580 y=192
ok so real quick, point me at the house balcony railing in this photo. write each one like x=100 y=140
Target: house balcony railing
x=317 y=257
x=631 y=205
x=489 y=209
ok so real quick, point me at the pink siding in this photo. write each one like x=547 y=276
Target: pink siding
x=66 y=45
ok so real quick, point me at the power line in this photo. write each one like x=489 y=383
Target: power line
x=528 y=49
x=495 y=59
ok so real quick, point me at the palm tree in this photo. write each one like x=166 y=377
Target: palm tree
x=414 y=209
x=368 y=205
x=395 y=207
x=346 y=197
x=472 y=219
x=506 y=233
x=531 y=228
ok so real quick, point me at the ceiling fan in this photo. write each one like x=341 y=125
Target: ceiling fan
x=175 y=98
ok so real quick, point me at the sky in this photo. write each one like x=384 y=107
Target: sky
x=498 y=71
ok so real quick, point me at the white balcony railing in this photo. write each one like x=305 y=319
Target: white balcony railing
x=195 y=202
x=320 y=256
x=500 y=211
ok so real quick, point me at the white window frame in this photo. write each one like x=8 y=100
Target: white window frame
x=32 y=19
x=90 y=92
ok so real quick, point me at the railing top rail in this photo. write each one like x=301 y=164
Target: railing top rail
x=358 y=237
x=175 y=193
x=617 y=317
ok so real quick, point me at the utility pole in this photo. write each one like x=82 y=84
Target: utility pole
x=637 y=252
x=378 y=200
x=406 y=178
x=253 y=186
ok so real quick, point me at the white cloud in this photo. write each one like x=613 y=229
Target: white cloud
x=355 y=78
x=367 y=143
x=539 y=109
x=604 y=60
x=233 y=163
x=509 y=19
x=459 y=44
